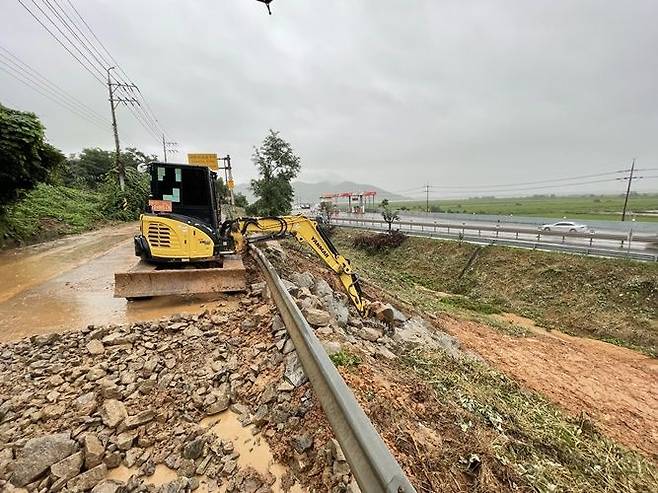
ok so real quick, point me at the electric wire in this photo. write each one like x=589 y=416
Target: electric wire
x=37 y=78
x=97 y=62
x=60 y=42
x=540 y=182
x=73 y=45
x=48 y=96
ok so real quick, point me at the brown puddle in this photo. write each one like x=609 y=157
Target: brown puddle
x=254 y=452
x=68 y=284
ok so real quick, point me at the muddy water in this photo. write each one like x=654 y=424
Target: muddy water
x=254 y=452
x=68 y=284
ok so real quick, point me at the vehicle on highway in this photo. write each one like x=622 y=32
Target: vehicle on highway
x=567 y=227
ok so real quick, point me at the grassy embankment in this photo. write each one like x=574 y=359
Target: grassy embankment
x=506 y=437
x=586 y=207
x=48 y=212
x=611 y=300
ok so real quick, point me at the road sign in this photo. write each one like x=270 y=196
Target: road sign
x=209 y=160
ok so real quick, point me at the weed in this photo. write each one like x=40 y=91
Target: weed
x=377 y=243
x=549 y=450
x=346 y=359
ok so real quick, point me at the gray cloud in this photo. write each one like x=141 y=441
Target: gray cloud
x=397 y=94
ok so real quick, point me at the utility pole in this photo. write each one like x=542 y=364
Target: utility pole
x=114 y=102
x=117 y=149
x=166 y=145
x=628 y=190
x=427 y=199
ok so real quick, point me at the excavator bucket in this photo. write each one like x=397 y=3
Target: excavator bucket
x=145 y=280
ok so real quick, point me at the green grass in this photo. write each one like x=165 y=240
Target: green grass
x=50 y=211
x=548 y=450
x=585 y=207
x=609 y=299
x=346 y=359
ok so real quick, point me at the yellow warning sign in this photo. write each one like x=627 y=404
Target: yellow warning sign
x=209 y=160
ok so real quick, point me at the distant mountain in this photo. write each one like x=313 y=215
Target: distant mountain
x=310 y=192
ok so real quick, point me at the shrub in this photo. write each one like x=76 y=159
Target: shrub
x=377 y=243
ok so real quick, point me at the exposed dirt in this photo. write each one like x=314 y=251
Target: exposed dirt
x=617 y=387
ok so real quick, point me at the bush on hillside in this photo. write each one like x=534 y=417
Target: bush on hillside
x=49 y=211
x=378 y=243
x=128 y=204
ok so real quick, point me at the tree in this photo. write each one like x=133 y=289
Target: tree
x=389 y=216
x=277 y=165
x=240 y=200
x=25 y=157
x=91 y=166
x=384 y=203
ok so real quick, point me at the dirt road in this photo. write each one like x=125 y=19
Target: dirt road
x=68 y=283
x=615 y=386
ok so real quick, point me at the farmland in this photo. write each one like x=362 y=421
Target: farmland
x=584 y=207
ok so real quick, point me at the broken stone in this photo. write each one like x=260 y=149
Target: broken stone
x=139 y=419
x=369 y=334
x=294 y=371
x=302 y=443
x=382 y=312
x=331 y=347
x=95 y=347
x=86 y=403
x=317 y=317
x=87 y=480
x=38 y=455
x=93 y=449
x=108 y=486
x=125 y=440
x=194 y=449
x=192 y=331
x=68 y=467
x=113 y=412
x=222 y=399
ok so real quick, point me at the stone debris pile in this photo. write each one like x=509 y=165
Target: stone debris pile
x=76 y=406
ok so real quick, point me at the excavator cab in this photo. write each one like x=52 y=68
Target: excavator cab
x=184 y=216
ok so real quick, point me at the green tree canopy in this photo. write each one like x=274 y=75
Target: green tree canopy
x=91 y=166
x=277 y=165
x=25 y=157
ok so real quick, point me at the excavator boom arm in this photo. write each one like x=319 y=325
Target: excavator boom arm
x=252 y=229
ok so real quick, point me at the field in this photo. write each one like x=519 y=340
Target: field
x=604 y=207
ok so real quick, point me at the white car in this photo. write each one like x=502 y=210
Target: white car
x=566 y=227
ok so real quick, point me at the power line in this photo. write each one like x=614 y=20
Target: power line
x=27 y=71
x=46 y=95
x=540 y=182
x=97 y=62
x=125 y=79
x=73 y=45
x=60 y=42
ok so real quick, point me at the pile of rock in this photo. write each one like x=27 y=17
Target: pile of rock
x=76 y=405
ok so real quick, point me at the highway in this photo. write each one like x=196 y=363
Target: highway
x=606 y=242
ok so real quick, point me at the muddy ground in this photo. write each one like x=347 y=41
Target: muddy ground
x=68 y=283
x=453 y=422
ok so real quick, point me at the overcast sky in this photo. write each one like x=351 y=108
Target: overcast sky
x=393 y=93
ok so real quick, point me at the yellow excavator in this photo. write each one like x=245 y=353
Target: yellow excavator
x=185 y=247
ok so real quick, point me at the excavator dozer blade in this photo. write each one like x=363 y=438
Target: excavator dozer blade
x=146 y=280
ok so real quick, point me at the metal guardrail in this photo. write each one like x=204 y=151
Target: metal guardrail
x=371 y=462
x=466 y=233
